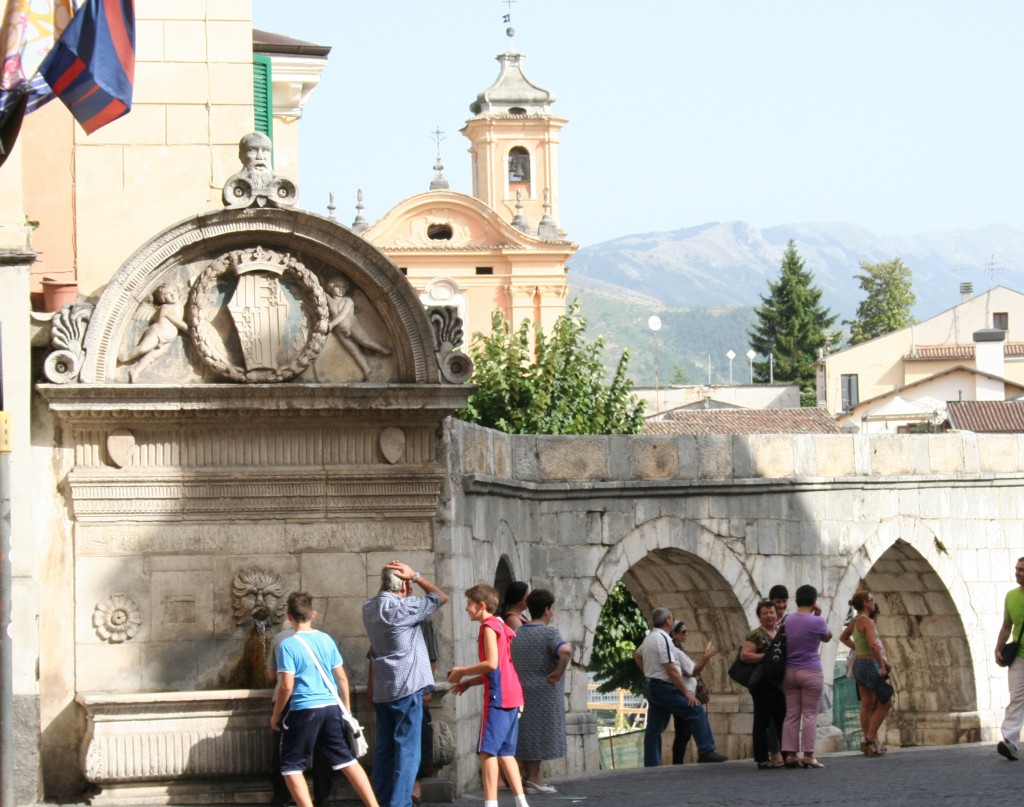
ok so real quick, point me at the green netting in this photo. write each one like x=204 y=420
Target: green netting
x=622 y=750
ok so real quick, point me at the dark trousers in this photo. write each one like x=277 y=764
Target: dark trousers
x=322 y=773
x=683 y=733
x=769 y=715
x=663 y=701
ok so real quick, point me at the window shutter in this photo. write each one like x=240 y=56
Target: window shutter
x=262 y=95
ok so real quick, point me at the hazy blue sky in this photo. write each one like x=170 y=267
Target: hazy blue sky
x=902 y=116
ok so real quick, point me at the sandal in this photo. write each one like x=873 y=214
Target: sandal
x=873 y=748
x=790 y=761
x=768 y=765
x=810 y=762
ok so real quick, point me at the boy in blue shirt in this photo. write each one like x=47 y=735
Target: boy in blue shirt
x=313 y=712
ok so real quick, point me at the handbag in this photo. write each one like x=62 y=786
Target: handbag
x=745 y=673
x=702 y=695
x=1008 y=652
x=774 y=663
x=353 y=731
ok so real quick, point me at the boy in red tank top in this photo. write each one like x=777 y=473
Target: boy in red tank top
x=503 y=695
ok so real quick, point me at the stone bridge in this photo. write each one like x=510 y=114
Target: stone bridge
x=706 y=525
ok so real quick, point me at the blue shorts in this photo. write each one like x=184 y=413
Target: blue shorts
x=302 y=729
x=499 y=731
x=867 y=675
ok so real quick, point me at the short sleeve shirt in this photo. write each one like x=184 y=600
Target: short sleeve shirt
x=400 y=664
x=311 y=691
x=657 y=651
x=1013 y=611
x=804 y=633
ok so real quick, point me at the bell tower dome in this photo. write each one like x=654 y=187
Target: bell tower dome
x=514 y=148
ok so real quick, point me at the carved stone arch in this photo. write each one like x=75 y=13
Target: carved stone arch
x=310 y=238
x=931 y=631
x=668 y=539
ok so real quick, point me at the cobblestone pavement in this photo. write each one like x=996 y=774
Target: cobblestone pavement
x=951 y=776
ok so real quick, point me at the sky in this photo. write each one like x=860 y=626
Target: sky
x=901 y=116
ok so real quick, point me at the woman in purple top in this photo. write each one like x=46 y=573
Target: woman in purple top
x=804 y=681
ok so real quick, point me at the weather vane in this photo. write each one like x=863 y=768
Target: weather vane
x=507 y=18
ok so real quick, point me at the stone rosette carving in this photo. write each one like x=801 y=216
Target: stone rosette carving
x=257 y=596
x=455 y=366
x=67 y=334
x=117 y=618
x=277 y=308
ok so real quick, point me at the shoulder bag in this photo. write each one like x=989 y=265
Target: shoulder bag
x=353 y=731
x=1008 y=652
x=745 y=673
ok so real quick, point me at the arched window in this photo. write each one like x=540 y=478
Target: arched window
x=518 y=165
x=439 y=232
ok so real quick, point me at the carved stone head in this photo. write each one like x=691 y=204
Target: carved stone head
x=258 y=596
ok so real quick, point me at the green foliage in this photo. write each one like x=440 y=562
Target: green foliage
x=620 y=629
x=889 y=301
x=556 y=387
x=679 y=375
x=793 y=325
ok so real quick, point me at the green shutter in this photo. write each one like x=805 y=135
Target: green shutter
x=262 y=95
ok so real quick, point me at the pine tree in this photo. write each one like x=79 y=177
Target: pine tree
x=889 y=301
x=792 y=325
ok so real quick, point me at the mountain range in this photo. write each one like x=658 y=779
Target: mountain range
x=704 y=281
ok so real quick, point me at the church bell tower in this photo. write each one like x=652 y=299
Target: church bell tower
x=514 y=148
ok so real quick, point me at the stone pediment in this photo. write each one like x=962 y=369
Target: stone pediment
x=439 y=220
x=259 y=296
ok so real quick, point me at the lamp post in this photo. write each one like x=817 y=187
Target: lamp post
x=750 y=358
x=654 y=323
x=730 y=355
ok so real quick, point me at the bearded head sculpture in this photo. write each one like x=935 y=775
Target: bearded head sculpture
x=258 y=597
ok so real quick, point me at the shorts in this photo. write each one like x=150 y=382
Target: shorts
x=499 y=732
x=867 y=675
x=302 y=729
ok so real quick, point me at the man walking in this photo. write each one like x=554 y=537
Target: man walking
x=668 y=695
x=1013 y=624
x=401 y=674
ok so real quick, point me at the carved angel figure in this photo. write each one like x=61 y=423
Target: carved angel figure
x=347 y=328
x=167 y=321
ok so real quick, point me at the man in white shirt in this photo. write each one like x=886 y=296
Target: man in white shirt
x=667 y=694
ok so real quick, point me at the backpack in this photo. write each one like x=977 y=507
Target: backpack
x=774 y=664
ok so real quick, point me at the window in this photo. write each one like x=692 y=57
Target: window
x=262 y=95
x=439 y=232
x=851 y=396
x=1001 y=321
x=518 y=165
x=485 y=270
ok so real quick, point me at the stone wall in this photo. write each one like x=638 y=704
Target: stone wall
x=705 y=526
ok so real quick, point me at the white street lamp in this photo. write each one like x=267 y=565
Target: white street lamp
x=750 y=358
x=654 y=323
x=730 y=356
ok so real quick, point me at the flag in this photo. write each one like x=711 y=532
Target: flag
x=92 y=66
x=29 y=30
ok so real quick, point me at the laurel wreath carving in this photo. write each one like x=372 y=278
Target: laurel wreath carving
x=215 y=358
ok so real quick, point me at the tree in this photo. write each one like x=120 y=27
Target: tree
x=679 y=374
x=620 y=629
x=555 y=386
x=890 y=298
x=793 y=326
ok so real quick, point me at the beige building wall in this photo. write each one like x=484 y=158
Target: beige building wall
x=880 y=364
x=98 y=197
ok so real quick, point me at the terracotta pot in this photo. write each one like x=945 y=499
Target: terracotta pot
x=59 y=293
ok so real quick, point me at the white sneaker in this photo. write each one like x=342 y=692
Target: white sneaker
x=1008 y=749
x=533 y=789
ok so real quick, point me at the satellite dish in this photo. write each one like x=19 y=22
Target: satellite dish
x=654 y=323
